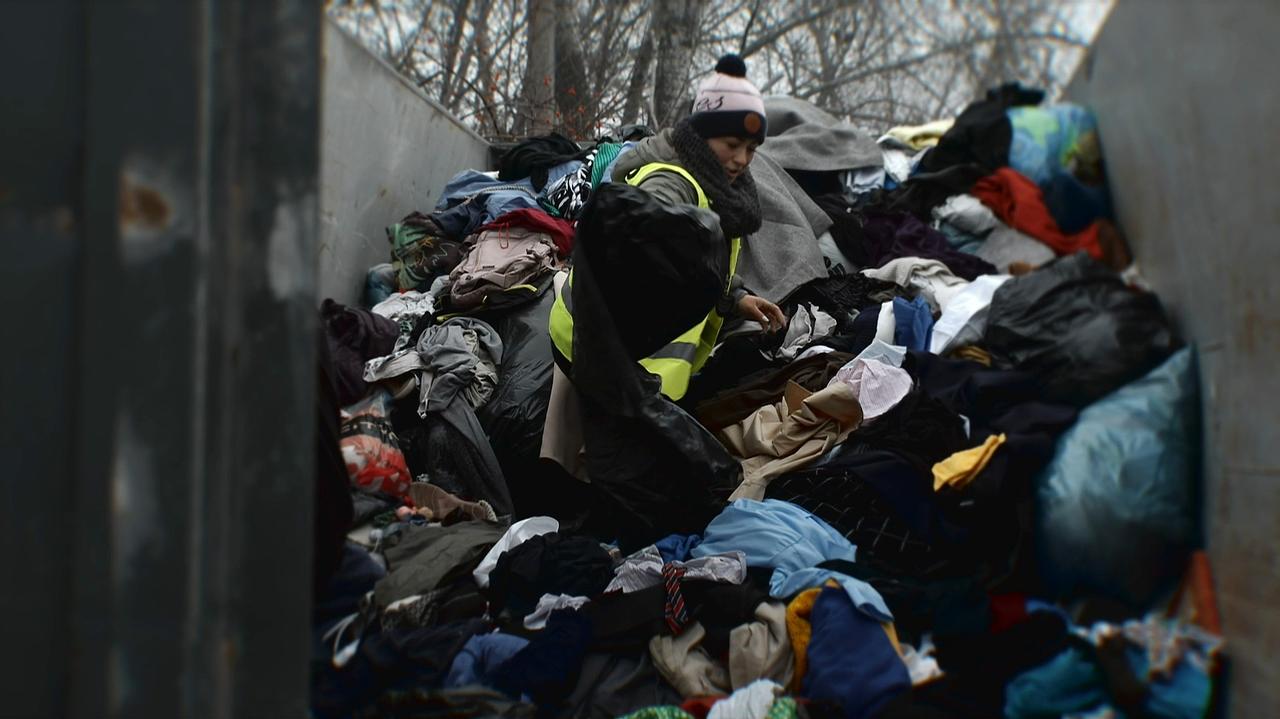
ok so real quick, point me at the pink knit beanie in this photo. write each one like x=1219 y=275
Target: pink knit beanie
x=728 y=105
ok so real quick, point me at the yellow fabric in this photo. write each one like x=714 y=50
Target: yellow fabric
x=674 y=371
x=892 y=633
x=922 y=136
x=972 y=352
x=561 y=323
x=960 y=468
x=639 y=174
x=800 y=630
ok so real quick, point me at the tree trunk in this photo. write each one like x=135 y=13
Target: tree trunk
x=573 y=93
x=448 y=91
x=538 y=111
x=484 y=69
x=639 y=77
x=677 y=23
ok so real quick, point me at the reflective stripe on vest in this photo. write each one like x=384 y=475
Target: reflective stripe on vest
x=679 y=359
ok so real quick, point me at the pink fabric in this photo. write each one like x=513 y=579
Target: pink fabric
x=498 y=259
x=879 y=387
x=725 y=93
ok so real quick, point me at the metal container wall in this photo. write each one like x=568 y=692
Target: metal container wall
x=158 y=213
x=1187 y=99
x=386 y=150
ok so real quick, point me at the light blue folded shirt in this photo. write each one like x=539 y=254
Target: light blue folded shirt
x=793 y=542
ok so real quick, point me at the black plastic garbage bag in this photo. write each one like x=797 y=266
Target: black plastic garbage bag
x=659 y=269
x=1079 y=328
x=513 y=417
x=643 y=273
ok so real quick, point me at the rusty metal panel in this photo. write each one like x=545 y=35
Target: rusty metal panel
x=41 y=126
x=1186 y=103
x=158 y=204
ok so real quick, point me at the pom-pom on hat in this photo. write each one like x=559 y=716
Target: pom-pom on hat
x=728 y=105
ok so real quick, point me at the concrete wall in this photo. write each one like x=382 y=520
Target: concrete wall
x=1187 y=99
x=386 y=150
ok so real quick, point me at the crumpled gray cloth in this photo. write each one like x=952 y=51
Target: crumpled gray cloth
x=643 y=569
x=803 y=136
x=968 y=214
x=455 y=364
x=460 y=349
x=457 y=353
x=1005 y=246
x=758 y=650
x=808 y=325
x=784 y=253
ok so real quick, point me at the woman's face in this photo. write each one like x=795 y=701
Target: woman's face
x=734 y=153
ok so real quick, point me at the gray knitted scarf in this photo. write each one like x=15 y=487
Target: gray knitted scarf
x=737 y=204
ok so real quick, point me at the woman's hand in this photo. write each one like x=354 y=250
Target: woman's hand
x=763 y=311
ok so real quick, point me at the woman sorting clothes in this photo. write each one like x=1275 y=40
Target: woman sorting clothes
x=652 y=470
x=703 y=161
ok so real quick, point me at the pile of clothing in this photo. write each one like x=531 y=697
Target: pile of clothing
x=961 y=483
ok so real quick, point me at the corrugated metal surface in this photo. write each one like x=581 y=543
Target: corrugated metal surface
x=1187 y=102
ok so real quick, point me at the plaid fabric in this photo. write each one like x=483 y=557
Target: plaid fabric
x=674 y=612
x=856 y=510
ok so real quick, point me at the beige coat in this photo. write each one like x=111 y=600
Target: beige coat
x=791 y=434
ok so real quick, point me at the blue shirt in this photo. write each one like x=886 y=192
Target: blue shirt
x=793 y=542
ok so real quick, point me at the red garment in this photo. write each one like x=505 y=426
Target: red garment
x=699 y=707
x=561 y=231
x=1007 y=611
x=1019 y=203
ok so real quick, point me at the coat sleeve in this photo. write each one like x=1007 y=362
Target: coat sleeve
x=727 y=305
x=670 y=187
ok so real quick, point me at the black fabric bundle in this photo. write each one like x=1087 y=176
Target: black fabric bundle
x=982 y=133
x=552 y=563
x=355 y=336
x=844 y=296
x=1076 y=325
x=514 y=416
x=535 y=156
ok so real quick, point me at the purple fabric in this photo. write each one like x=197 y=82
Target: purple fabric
x=355 y=336
x=890 y=235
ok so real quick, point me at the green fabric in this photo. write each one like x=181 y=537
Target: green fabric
x=606 y=153
x=404 y=240
x=549 y=208
x=428 y=557
x=783 y=708
x=663 y=712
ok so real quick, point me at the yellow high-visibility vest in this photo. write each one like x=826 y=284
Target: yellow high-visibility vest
x=679 y=359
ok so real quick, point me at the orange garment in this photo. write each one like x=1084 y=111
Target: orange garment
x=800 y=631
x=1019 y=203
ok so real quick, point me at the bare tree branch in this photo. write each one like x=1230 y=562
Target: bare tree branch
x=874 y=61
